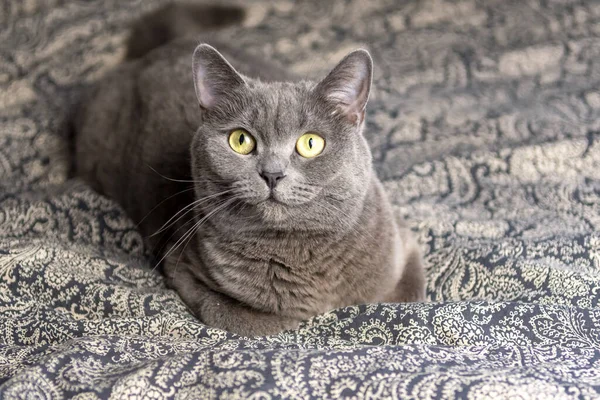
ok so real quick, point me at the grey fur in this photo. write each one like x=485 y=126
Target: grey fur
x=261 y=260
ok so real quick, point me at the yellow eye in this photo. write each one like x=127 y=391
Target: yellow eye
x=241 y=141
x=310 y=145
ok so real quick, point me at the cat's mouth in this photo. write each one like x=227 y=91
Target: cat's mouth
x=278 y=199
x=273 y=210
x=272 y=199
x=273 y=196
x=286 y=200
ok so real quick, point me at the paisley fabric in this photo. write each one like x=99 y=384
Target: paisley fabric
x=485 y=128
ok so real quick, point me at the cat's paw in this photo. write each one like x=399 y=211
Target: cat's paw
x=412 y=284
x=411 y=295
x=247 y=322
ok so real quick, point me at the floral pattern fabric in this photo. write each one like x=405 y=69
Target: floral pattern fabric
x=485 y=129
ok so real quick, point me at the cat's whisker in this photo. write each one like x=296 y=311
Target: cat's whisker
x=185 y=210
x=158 y=205
x=196 y=230
x=243 y=206
x=339 y=212
x=166 y=242
x=365 y=233
x=330 y=210
x=178 y=241
x=183 y=225
x=192 y=231
x=187 y=180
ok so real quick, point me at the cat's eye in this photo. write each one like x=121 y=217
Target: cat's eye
x=241 y=141
x=310 y=145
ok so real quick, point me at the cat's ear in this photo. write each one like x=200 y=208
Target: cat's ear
x=214 y=77
x=348 y=85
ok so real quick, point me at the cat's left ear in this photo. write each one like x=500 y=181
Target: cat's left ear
x=348 y=85
x=214 y=77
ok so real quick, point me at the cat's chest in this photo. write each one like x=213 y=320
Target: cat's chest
x=284 y=276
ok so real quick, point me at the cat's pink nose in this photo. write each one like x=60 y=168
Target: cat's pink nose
x=272 y=178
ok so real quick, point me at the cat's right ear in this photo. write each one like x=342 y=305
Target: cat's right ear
x=348 y=85
x=214 y=77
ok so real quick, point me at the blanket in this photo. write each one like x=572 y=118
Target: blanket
x=485 y=129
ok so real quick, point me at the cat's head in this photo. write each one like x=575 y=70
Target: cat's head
x=284 y=155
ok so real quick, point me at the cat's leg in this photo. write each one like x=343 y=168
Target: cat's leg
x=218 y=310
x=411 y=286
x=412 y=283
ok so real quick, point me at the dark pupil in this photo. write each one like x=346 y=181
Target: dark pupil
x=310 y=142
x=242 y=138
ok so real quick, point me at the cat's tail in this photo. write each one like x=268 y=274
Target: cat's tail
x=176 y=20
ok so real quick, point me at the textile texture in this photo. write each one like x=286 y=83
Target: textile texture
x=485 y=129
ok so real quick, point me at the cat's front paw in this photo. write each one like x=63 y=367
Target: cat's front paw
x=411 y=295
x=252 y=324
x=412 y=284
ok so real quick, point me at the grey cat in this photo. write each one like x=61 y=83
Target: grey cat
x=255 y=190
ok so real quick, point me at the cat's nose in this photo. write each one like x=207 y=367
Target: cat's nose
x=272 y=178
